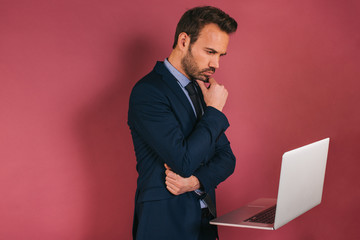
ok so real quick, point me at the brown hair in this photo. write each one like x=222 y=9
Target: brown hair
x=193 y=21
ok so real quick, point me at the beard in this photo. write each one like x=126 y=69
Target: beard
x=192 y=70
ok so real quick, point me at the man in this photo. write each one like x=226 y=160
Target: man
x=177 y=126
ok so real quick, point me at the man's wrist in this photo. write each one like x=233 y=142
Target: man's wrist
x=194 y=183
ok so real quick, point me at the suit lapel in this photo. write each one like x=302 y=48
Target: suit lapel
x=172 y=83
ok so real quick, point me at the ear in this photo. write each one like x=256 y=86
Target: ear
x=183 y=41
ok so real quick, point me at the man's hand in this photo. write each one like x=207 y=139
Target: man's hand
x=215 y=95
x=178 y=185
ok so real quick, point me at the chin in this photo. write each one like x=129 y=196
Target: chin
x=203 y=78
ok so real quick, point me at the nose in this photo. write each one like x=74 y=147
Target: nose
x=215 y=62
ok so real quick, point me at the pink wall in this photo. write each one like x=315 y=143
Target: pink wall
x=66 y=71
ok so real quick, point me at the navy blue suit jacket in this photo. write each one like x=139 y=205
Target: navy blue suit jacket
x=165 y=130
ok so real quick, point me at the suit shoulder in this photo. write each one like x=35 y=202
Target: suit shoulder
x=150 y=86
x=151 y=79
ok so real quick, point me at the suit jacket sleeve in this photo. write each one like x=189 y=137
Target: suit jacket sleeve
x=220 y=166
x=204 y=150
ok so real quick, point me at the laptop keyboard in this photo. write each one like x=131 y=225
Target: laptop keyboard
x=267 y=216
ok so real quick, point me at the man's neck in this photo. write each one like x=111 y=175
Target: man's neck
x=175 y=60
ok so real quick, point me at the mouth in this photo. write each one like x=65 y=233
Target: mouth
x=208 y=71
x=208 y=74
x=205 y=77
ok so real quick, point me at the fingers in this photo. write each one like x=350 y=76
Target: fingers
x=174 y=181
x=215 y=95
x=173 y=186
x=171 y=177
x=201 y=85
x=172 y=189
x=171 y=174
x=212 y=81
x=177 y=185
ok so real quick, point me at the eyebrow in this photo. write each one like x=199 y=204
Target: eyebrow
x=213 y=50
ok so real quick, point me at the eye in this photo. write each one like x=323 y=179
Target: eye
x=210 y=52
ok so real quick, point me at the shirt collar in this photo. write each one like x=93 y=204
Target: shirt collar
x=182 y=79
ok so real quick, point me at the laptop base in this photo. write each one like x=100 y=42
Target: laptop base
x=237 y=217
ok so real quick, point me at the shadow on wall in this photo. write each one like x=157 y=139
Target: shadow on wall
x=108 y=150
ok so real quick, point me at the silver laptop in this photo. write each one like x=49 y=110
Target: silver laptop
x=300 y=189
